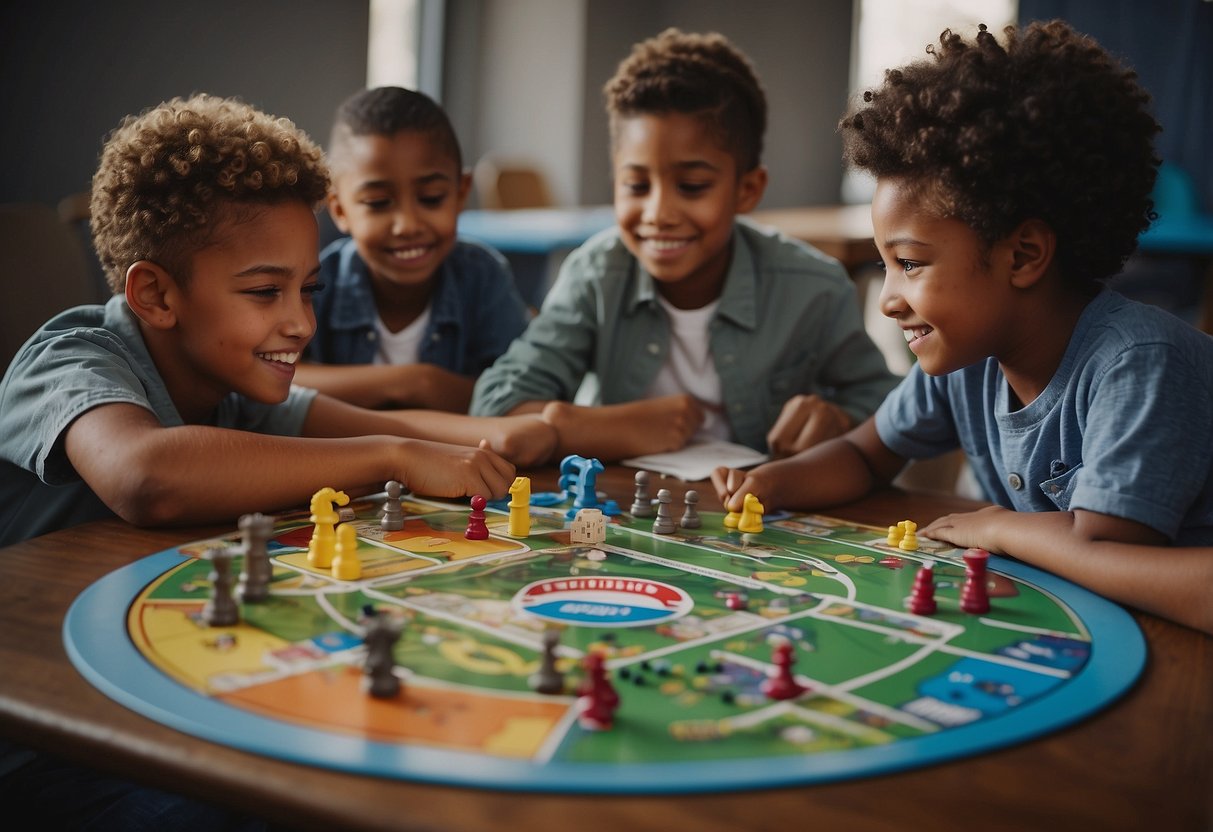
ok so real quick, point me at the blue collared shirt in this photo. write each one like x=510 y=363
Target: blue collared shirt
x=475 y=310
x=788 y=322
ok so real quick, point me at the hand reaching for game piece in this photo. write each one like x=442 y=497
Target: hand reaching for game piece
x=440 y=470
x=803 y=422
x=732 y=484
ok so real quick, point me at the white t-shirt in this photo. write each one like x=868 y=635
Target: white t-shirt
x=689 y=367
x=403 y=347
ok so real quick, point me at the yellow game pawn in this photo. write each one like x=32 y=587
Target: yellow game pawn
x=751 y=516
x=520 y=508
x=731 y=520
x=909 y=537
x=323 y=544
x=895 y=535
x=346 y=565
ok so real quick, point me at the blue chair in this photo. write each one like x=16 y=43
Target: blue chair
x=1181 y=228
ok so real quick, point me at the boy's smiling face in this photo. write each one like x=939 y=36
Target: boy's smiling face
x=399 y=197
x=676 y=194
x=949 y=294
x=242 y=318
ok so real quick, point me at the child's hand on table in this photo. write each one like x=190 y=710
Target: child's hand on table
x=805 y=421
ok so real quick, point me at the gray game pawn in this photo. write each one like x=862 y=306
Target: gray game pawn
x=690 y=517
x=221 y=609
x=392 y=516
x=547 y=679
x=664 y=522
x=641 y=505
x=258 y=571
x=379 y=669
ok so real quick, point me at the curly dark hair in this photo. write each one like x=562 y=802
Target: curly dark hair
x=385 y=111
x=1049 y=127
x=170 y=176
x=700 y=75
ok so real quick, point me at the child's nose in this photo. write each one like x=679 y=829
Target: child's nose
x=658 y=207
x=891 y=301
x=404 y=220
x=299 y=320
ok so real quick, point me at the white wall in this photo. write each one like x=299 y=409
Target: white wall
x=531 y=73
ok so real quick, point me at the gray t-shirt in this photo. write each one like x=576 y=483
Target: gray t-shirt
x=1124 y=428
x=82 y=358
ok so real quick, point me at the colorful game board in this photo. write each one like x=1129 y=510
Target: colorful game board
x=687 y=623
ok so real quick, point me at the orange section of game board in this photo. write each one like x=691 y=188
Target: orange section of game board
x=333 y=699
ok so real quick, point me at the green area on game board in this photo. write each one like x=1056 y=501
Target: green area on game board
x=696 y=673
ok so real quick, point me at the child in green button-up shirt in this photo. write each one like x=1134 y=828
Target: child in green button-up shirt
x=694 y=323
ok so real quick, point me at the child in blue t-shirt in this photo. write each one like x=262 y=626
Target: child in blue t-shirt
x=694 y=323
x=1011 y=179
x=412 y=314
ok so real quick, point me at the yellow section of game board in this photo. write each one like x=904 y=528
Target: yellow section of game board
x=171 y=635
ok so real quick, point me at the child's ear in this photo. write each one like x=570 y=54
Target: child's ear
x=149 y=290
x=337 y=213
x=750 y=189
x=1032 y=246
x=465 y=188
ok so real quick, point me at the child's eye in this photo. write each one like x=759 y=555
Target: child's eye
x=908 y=265
x=635 y=188
x=432 y=201
x=694 y=188
x=264 y=292
x=312 y=288
x=376 y=204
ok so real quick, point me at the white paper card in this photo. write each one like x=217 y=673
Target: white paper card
x=697 y=460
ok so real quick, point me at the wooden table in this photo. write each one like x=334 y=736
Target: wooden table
x=842 y=231
x=1144 y=763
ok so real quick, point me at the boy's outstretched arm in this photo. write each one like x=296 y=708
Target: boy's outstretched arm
x=618 y=431
x=524 y=440
x=152 y=475
x=836 y=471
x=390 y=385
x=1123 y=561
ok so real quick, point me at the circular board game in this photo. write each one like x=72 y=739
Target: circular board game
x=693 y=629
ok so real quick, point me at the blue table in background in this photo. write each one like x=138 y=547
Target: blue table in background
x=535 y=240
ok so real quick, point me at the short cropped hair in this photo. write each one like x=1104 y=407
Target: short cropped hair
x=169 y=177
x=1048 y=127
x=385 y=111
x=704 y=76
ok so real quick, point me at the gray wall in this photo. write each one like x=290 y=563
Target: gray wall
x=71 y=69
x=801 y=51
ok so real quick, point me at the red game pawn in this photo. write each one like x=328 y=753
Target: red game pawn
x=597 y=698
x=975 y=595
x=782 y=685
x=477 y=528
x=922 y=595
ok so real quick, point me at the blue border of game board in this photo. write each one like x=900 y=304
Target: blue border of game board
x=97 y=641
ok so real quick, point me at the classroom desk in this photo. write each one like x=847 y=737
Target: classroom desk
x=842 y=231
x=1144 y=763
x=536 y=230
